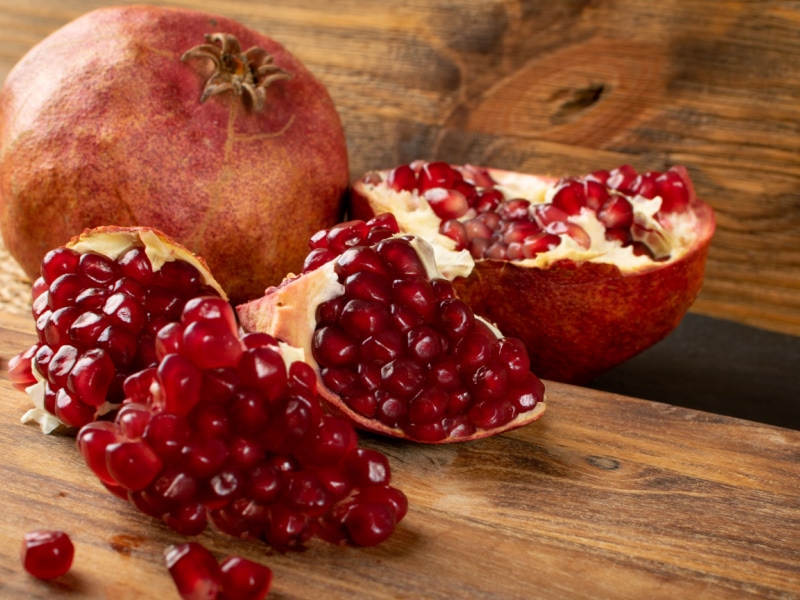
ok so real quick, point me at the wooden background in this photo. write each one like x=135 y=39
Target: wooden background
x=560 y=87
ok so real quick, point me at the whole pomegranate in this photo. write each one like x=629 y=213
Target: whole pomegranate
x=586 y=270
x=184 y=121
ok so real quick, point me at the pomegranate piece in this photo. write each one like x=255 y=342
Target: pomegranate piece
x=395 y=349
x=607 y=263
x=241 y=442
x=243 y=579
x=98 y=304
x=47 y=554
x=194 y=571
x=198 y=78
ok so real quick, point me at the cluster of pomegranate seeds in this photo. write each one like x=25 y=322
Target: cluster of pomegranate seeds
x=198 y=576
x=400 y=348
x=96 y=322
x=476 y=213
x=47 y=554
x=221 y=431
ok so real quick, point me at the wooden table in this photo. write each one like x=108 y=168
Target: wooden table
x=605 y=497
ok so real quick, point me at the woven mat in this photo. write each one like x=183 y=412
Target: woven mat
x=15 y=286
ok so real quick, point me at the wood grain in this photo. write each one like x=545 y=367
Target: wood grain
x=561 y=87
x=605 y=497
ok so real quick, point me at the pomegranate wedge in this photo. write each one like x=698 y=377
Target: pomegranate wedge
x=396 y=350
x=588 y=271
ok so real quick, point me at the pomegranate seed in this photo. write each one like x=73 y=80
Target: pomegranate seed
x=617 y=212
x=514 y=210
x=437 y=175
x=446 y=203
x=570 y=197
x=47 y=554
x=345 y=235
x=621 y=179
x=456 y=231
x=674 y=191
x=194 y=571
x=57 y=262
x=403 y=178
x=244 y=579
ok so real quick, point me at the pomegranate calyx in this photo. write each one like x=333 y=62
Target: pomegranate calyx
x=247 y=73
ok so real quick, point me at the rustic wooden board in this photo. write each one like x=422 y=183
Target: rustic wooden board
x=560 y=87
x=605 y=497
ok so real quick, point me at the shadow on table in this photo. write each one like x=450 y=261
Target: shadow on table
x=717 y=366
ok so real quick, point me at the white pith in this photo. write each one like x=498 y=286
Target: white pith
x=669 y=243
x=113 y=243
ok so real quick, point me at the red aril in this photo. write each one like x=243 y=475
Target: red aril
x=99 y=303
x=47 y=554
x=395 y=349
x=194 y=571
x=587 y=271
x=241 y=443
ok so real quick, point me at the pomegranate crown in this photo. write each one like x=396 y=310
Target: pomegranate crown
x=242 y=73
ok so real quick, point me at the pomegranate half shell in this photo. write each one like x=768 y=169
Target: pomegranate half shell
x=591 y=285
x=176 y=119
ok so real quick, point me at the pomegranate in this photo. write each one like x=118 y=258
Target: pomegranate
x=188 y=122
x=99 y=302
x=588 y=270
x=197 y=575
x=47 y=554
x=230 y=431
x=395 y=349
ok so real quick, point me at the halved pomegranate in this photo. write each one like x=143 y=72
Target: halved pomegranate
x=396 y=350
x=587 y=271
x=230 y=430
x=98 y=304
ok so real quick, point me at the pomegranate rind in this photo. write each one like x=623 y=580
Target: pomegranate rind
x=578 y=318
x=101 y=122
x=112 y=241
x=287 y=312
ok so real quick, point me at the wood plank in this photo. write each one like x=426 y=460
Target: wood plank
x=561 y=87
x=605 y=497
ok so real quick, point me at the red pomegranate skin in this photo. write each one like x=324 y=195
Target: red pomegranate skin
x=101 y=123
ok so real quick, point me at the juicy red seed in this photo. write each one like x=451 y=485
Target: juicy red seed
x=249 y=411
x=85 y=329
x=424 y=343
x=367 y=467
x=477 y=228
x=416 y=294
x=203 y=457
x=187 y=519
x=369 y=524
x=97 y=267
x=180 y=276
x=302 y=378
x=490 y=414
x=525 y=395
x=316 y=258
x=363 y=318
x=134 y=263
x=382 y=347
x=166 y=435
x=400 y=258
x=403 y=178
x=133 y=465
x=333 y=347
x=318 y=240
x=210 y=308
x=210 y=343
x=92 y=440
x=61 y=364
x=402 y=377
x=446 y=203
x=368 y=286
x=622 y=235
x=263 y=370
x=456 y=231
x=125 y=311
x=488 y=201
x=617 y=212
x=545 y=214
x=132 y=420
x=360 y=258
x=428 y=406
x=456 y=318
x=573 y=230
x=346 y=235
x=64 y=290
x=596 y=194
x=444 y=373
x=169 y=340
x=47 y=554
x=57 y=262
x=91 y=376
x=20 y=372
x=674 y=192
x=328 y=312
x=621 y=178
x=477 y=247
x=513 y=354
x=539 y=242
x=570 y=197
x=71 y=411
x=244 y=579
x=194 y=571
x=180 y=383
x=120 y=344
x=385 y=221
x=56 y=331
x=437 y=174
x=490 y=381
x=514 y=210
x=473 y=352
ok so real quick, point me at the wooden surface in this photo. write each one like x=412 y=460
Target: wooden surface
x=605 y=497
x=560 y=87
